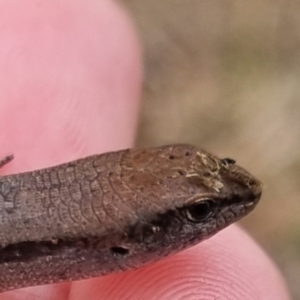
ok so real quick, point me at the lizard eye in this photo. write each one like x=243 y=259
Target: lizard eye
x=200 y=211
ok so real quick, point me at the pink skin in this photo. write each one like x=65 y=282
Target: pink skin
x=70 y=81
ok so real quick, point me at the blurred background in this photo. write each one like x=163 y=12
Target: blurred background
x=225 y=76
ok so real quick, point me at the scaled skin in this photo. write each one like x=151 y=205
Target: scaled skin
x=70 y=84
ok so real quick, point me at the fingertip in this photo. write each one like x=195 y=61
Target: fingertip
x=72 y=85
x=228 y=266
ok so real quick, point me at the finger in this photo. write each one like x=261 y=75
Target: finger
x=69 y=88
x=228 y=266
x=72 y=81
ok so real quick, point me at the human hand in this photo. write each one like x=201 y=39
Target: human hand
x=70 y=82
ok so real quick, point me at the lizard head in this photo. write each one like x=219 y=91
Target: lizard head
x=187 y=195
